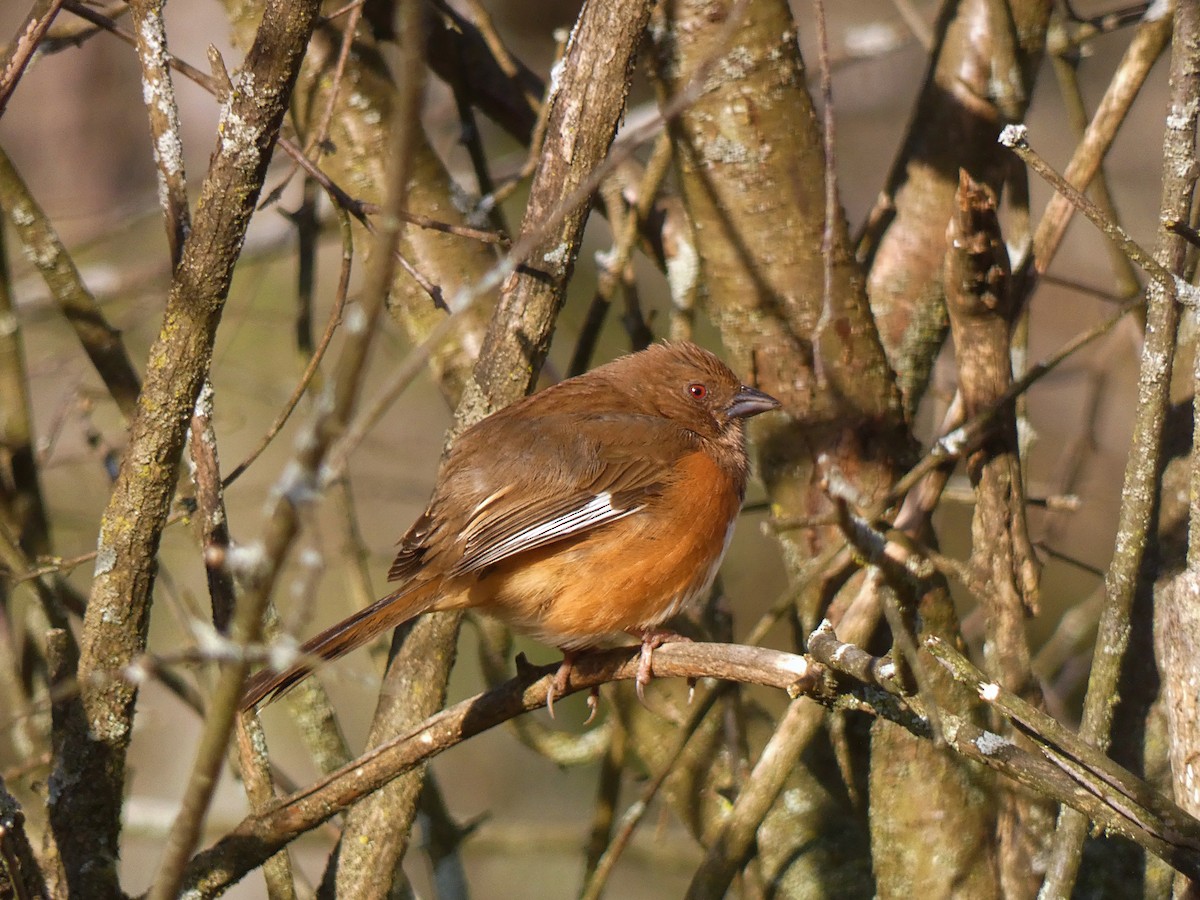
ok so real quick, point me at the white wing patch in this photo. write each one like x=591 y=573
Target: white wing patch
x=596 y=511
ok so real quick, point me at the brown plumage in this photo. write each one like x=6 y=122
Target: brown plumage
x=600 y=505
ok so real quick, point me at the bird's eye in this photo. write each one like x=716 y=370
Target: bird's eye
x=698 y=390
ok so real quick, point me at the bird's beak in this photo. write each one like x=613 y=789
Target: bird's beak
x=749 y=402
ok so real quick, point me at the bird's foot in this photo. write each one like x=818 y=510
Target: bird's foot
x=652 y=639
x=562 y=678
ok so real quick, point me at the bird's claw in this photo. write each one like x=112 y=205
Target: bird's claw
x=651 y=641
x=558 y=685
x=593 y=702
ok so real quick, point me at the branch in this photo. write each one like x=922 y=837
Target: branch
x=1143 y=51
x=1140 y=487
x=23 y=46
x=980 y=304
x=585 y=109
x=1065 y=769
x=586 y=106
x=159 y=94
x=981 y=73
x=101 y=341
x=89 y=772
x=19 y=870
x=261 y=835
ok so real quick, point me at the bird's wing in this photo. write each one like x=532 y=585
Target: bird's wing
x=567 y=474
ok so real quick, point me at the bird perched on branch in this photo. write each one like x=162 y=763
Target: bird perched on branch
x=602 y=504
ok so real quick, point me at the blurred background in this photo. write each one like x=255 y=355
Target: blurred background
x=76 y=130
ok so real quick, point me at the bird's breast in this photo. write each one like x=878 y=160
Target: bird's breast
x=628 y=575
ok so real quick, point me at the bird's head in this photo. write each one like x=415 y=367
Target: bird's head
x=693 y=387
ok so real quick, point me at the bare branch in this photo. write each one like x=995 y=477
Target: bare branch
x=24 y=44
x=90 y=767
x=259 y=836
x=1142 y=469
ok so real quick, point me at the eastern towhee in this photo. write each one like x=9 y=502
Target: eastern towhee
x=599 y=505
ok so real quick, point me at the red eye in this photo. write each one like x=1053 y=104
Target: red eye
x=698 y=390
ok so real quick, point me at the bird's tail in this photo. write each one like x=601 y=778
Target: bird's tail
x=383 y=615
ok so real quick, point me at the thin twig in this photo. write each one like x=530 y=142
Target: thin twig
x=725 y=855
x=1096 y=772
x=615 y=264
x=210 y=502
x=1145 y=48
x=1157 y=825
x=597 y=880
x=23 y=45
x=320 y=134
x=953 y=445
x=1015 y=138
x=159 y=95
x=833 y=208
x=100 y=340
x=314 y=363
x=608 y=789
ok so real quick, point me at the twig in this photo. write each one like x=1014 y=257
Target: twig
x=608 y=789
x=23 y=45
x=359 y=209
x=1147 y=807
x=314 y=363
x=471 y=138
x=21 y=501
x=961 y=440
x=101 y=341
x=584 y=111
x=1158 y=826
x=348 y=378
x=465 y=231
x=1080 y=30
x=1145 y=48
x=727 y=850
x=1066 y=68
x=698 y=710
x=483 y=21
x=536 y=233
x=315 y=145
x=1004 y=568
x=573 y=164
x=159 y=95
x=443 y=838
x=1015 y=138
x=615 y=264
x=597 y=880
x=308 y=230
x=537 y=137
x=256 y=776
x=210 y=503
x=18 y=863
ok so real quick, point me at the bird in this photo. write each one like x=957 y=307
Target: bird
x=600 y=505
